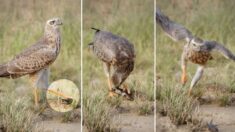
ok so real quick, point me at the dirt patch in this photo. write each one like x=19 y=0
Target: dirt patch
x=221 y=116
x=130 y=122
x=164 y=124
x=128 y=116
x=52 y=121
x=56 y=126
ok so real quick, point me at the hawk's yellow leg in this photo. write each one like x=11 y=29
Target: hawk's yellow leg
x=183 y=67
x=33 y=78
x=36 y=96
x=111 y=93
x=110 y=84
x=183 y=77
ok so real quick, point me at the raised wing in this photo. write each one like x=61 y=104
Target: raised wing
x=174 y=30
x=31 y=60
x=213 y=45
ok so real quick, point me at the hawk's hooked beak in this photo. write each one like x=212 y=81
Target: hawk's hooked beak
x=59 y=22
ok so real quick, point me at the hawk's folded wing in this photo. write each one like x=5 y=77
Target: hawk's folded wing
x=31 y=60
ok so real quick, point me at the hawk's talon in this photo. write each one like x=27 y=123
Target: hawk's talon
x=118 y=91
x=126 y=89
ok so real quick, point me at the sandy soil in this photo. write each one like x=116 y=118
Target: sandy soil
x=128 y=119
x=51 y=121
x=56 y=126
x=164 y=125
x=129 y=122
x=223 y=117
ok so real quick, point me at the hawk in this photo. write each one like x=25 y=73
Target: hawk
x=35 y=60
x=117 y=55
x=196 y=50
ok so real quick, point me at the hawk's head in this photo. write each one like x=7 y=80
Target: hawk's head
x=53 y=23
x=196 y=44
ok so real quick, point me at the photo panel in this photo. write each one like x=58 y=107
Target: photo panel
x=118 y=64
x=40 y=65
x=194 y=64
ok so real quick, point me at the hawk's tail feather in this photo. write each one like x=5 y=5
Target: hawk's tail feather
x=97 y=30
x=3 y=71
x=90 y=44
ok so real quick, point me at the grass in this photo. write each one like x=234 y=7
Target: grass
x=209 y=20
x=135 y=24
x=224 y=100
x=176 y=104
x=97 y=113
x=69 y=117
x=22 y=24
x=145 y=109
x=16 y=114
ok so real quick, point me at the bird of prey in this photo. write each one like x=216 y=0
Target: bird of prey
x=35 y=60
x=117 y=55
x=196 y=50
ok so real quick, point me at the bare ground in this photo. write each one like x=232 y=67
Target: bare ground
x=52 y=121
x=221 y=116
x=56 y=126
x=129 y=119
x=129 y=122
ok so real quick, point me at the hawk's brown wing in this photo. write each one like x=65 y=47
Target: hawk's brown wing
x=31 y=60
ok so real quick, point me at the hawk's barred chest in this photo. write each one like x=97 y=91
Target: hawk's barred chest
x=198 y=57
x=54 y=40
